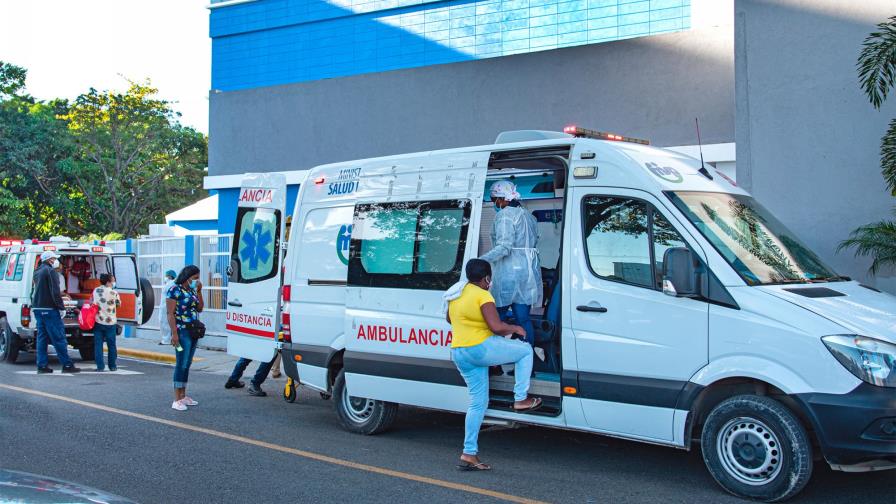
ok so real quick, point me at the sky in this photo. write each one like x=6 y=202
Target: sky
x=70 y=46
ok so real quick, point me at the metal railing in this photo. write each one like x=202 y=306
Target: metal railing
x=214 y=257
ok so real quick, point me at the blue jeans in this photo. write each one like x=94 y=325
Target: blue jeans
x=105 y=333
x=261 y=374
x=183 y=358
x=473 y=363
x=50 y=327
x=521 y=313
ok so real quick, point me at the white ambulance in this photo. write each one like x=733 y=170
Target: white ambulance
x=82 y=265
x=676 y=310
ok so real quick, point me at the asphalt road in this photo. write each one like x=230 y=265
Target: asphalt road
x=123 y=437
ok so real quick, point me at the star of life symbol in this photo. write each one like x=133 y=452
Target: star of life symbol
x=256 y=244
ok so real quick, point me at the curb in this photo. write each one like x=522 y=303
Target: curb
x=151 y=356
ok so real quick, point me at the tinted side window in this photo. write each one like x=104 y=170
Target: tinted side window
x=664 y=237
x=20 y=266
x=412 y=245
x=3 y=259
x=626 y=238
x=616 y=239
x=10 y=270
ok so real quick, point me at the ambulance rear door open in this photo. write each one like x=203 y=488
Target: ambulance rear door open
x=253 y=308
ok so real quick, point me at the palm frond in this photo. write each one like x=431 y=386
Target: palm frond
x=876 y=240
x=877 y=62
x=888 y=156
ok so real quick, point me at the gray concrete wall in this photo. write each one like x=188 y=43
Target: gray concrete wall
x=807 y=138
x=650 y=87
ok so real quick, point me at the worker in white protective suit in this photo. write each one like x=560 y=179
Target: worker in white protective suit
x=516 y=272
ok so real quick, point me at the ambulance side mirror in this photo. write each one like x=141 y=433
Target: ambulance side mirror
x=680 y=273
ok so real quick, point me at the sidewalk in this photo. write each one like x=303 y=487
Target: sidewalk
x=210 y=361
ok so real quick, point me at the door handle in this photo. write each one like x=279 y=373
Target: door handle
x=235 y=302
x=589 y=308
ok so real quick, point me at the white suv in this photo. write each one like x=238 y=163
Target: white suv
x=82 y=264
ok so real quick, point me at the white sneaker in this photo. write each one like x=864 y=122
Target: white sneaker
x=189 y=401
x=179 y=406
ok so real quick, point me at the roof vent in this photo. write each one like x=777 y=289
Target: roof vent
x=528 y=136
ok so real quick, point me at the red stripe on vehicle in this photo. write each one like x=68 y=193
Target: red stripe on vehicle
x=249 y=330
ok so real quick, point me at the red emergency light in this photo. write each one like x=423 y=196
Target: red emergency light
x=579 y=132
x=319 y=180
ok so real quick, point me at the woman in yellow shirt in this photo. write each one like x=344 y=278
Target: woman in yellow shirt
x=474 y=347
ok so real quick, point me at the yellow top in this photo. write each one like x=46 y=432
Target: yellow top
x=467 y=323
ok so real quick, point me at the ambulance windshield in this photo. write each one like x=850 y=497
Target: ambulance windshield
x=759 y=247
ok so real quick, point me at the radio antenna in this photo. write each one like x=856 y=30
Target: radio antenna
x=703 y=169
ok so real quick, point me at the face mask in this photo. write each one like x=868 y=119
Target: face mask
x=113 y=285
x=193 y=284
x=488 y=283
x=57 y=265
x=497 y=208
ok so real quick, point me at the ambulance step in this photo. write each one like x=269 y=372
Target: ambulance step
x=504 y=401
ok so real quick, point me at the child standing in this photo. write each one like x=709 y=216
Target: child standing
x=106 y=328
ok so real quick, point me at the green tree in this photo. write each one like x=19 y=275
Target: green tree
x=877 y=73
x=32 y=140
x=133 y=161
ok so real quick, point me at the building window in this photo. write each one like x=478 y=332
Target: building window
x=411 y=245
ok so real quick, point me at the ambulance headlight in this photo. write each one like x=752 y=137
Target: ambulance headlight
x=871 y=360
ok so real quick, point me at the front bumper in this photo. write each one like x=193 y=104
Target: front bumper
x=856 y=430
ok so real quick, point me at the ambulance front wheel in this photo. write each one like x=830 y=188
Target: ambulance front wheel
x=361 y=415
x=757 y=449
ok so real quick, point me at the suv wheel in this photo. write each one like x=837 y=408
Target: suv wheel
x=359 y=414
x=87 y=350
x=757 y=449
x=9 y=343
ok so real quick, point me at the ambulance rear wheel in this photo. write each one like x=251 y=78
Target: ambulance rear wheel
x=361 y=415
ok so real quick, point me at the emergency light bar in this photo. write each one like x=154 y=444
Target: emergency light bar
x=578 y=132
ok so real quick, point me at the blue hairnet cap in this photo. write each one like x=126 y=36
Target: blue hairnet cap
x=171 y=273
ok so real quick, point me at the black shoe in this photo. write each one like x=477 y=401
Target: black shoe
x=256 y=391
x=71 y=369
x=234 y=384
x=113 y=368
x=44 y=370
x=495 y=371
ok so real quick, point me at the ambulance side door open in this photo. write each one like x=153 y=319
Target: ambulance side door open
x=636 y=347
x=254 y=271
x=127 y=283
x=408 y=245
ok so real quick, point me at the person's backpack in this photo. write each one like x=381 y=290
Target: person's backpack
x=87 y=316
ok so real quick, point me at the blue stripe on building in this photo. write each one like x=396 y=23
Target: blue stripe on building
x=270 y=42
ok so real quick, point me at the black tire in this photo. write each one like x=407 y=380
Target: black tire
x=360 y=415
x=756 y=448
x=149 y=299
x=87 y=350
x=9 y=343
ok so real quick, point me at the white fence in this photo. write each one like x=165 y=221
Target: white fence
x=155 y=256
x=214 y=257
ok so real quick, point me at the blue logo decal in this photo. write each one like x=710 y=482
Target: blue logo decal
x=343 y=240
x=255 y=246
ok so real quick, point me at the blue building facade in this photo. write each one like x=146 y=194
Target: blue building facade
x=262 y=43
